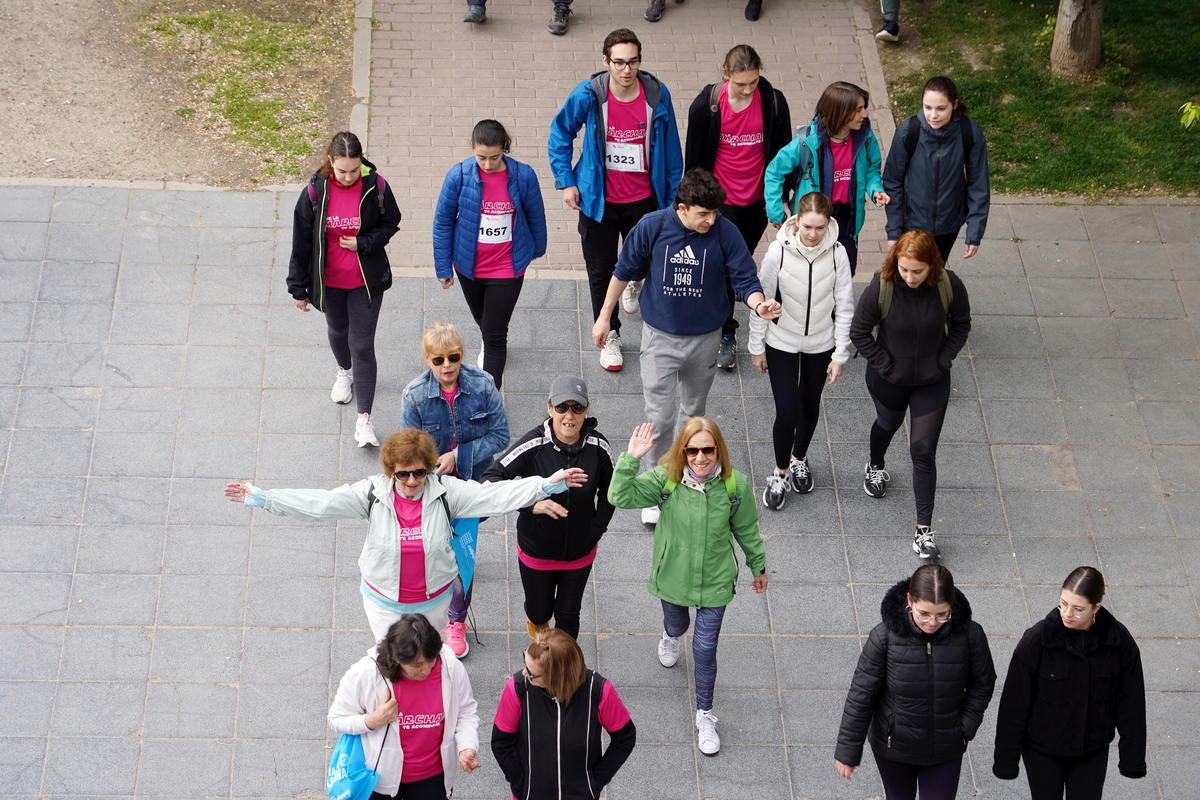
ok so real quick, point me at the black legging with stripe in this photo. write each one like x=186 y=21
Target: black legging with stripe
x=797 y=380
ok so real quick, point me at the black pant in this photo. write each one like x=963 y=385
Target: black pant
x=428 y=789
x=492 y=301
x=797 y=380
x=927 y=408
x=1081 y=777
x=599 y=241
x=557 y=593
x=900 y=781
x=351 y=319
x=845 y=216
x=751 y=221
x=945 y=243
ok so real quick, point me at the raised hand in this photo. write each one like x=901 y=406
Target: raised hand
x=639 y=443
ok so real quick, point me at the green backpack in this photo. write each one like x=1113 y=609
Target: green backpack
x=945 y=293
x=730 y=486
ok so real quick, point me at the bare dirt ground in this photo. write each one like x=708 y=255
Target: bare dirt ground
x=82 y=99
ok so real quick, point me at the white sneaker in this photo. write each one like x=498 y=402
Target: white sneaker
x=364 y=432
x=630 y=298
x=610 y=357
x=706 y=726
x=650 y=515
x=668 y=650
x=343 y=386
x=479 y=361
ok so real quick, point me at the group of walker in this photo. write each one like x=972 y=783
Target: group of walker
x=925 y=675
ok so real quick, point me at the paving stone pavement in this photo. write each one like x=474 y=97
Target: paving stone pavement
x=159 y=642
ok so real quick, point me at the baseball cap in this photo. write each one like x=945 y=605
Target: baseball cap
x=568 y=388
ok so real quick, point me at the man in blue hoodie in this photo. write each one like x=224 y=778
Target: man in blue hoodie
x=682 y=254
x=629 y=164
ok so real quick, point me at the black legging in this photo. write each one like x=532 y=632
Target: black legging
x=936 y=781
x=557 y=593
x=492 y=301
x=1081 y=777
x=751 y=221
x=600 y=242
x=351 y=319
x=797 y=380
x=844 y=214
x=927 y=409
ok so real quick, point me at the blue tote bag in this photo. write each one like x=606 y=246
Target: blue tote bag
x=464 y=535
x=348 y=777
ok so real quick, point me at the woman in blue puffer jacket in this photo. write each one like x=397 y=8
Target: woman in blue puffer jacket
x=489 y=224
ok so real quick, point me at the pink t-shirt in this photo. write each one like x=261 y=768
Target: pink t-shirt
x=741 y=159
x=626 y=157
x=450 y=395
x=843 y=164
x=412 y=550
x=547 y=564
x=613 y=713
x=421 y=719
x=342 y=219
x=493 y=248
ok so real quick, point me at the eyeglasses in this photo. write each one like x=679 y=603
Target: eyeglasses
x=621 y=64
x=574 y=408
x=529 y=675
x=404 y=474
x=453 y=358
x=692 y=452
x=921 y=616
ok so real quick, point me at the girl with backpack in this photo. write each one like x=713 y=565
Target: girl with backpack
x=807 y=270
x=490 y=222
x=923 y=318
x=835 y=154
x=343 y=220
x=706 y=506
x=937 y=172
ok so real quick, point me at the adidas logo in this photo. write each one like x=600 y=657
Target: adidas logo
x=685 y=256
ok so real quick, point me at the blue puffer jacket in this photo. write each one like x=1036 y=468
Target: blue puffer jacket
x=476 y=428
x=456 y=219
x=585 y=107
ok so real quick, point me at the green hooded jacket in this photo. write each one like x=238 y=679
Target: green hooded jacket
x=694 y=562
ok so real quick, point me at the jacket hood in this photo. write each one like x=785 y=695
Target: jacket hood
x=588 y=426
x=650 y=84
x=894 y=612
x=789 y=238
x=1055 y=634
x=950 y=127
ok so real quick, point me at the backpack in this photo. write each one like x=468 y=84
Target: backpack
x=945 y=294
x=730 y=486
x=714 y=122
x=791 y=183
x=968 y=139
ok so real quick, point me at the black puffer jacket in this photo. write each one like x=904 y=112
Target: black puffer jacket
x=306 y=270
x=1068 y=692
x=538 y=452
x=917 y=341
x=922 y=696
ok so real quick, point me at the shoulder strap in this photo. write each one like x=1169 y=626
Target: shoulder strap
x=885 y=294
x=912 y=134
x=945 y=293
x=668 y=487
x=380 y=187
x=714 y=99
x=731 y=487
x=371 y=498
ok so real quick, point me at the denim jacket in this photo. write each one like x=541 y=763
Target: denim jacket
x=476 y=428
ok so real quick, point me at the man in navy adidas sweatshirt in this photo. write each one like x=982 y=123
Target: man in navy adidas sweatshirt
x=682 y=254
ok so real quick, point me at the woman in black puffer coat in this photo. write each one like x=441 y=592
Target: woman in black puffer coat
x=922 y=683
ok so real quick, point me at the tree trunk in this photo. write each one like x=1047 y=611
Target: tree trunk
x=1076 y=49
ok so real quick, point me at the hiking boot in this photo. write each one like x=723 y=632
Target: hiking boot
x=706 y=727
x=654 y=12
x=343 y=386
x=364 y=432
x=775 y=493
x=668 y=650
x=650 y=515
x=558 y=25
x=923 y=543
x=888 y=32
x=630 y=303
x=727 y=355
x=875 y=480
x=800 y=475
x=753 y=9
x=455 y=635
x=610 y=357
x=476 y=14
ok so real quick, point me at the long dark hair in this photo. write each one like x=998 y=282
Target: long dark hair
x=943 y=85
x=343 y=145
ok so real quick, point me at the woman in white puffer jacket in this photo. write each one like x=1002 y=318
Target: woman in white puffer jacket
x=808 y=272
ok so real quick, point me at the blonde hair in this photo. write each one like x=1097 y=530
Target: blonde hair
x=441 y=337
x=409 y=446
x=560 y=662
x=675 y=459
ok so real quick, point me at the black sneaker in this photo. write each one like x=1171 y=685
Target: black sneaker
x=776 y=492
x=800 y=475
x=476 y=14
x=888 y=32
x=753 y=9
x=875 y=480
x=558 y=25
x=923 y=543
x=727 y=355
x=654 y=12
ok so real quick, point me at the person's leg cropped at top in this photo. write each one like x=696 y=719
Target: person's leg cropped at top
x=337 y=323
x=750 y=221
x=1081 y=778
x=704 y=653
x=363 y=316
x=783 y=371
x=890 y=9
x=901 y=781
x=927 y=412
x=539 y=586
x=697 y=370
x=660 y=363
x=891 y=401
x=380 y=618
x=813 y=377
x=492 y=301
x=844 y=214
x=945 y=244
x=600 y=242
x=460 y=601
x=431 y=788
x=568 y=598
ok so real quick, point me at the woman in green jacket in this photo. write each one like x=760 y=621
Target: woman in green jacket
x=704 y=501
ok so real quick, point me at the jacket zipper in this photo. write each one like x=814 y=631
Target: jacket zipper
x=808 y=300
x=929 y=664
x=558 y=747
x=357 y=257
x=937 y=183
x=321 y=243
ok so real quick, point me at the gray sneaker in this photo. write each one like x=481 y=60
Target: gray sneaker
x=476 y=14
x=654 y=12
x=558 y=25
x=800 y=475
x=775 y=495
x=727 y=355
x=923 y=543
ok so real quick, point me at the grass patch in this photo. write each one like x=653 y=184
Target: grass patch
x=259 y=83
x=1117 y=134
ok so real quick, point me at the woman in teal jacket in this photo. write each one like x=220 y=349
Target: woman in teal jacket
x=837 y=155
x=704 y=501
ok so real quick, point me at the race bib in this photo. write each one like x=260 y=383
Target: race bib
x=624 y=157
x=495 y=228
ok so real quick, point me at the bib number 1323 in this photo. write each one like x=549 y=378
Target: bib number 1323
x=624 y=157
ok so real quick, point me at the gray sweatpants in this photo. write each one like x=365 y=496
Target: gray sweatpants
x=890 y=9
x=677 y=372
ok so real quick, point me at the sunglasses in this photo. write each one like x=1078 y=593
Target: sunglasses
x=453 y=358
x=574 y=408
x=403 y=474
x=692 y=452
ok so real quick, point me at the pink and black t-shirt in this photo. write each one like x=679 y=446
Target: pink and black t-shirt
x=843 y=165
x=612 y=711
x=421 y=719
x=626 y=154
x=342 y=219
x=493 y=248
x=741 y=159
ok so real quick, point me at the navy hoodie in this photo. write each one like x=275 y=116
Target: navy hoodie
x=684 y=292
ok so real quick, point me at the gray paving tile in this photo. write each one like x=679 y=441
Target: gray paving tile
x=50 y=452
x=1024 y=422
x=113 y=600
x=264 y=710
x=1038 y=223
x=38 y=548
x=12 y=362
x=144 y=365
x=1049 y=561
x=232 y=285
x=184 y=767
x=1182 y=257
x=24 y=499
x=229 y=209
x=159 y=207
x=203 y=710
x=1014 y=378
x=999 y=609
x=1167 y=611
x=27 y=705
x=1150 y=260
x=106 y=654
x=1128 y=514
x=658 y=770
x=160 y=245
x=206 y=550
x=34 y=599
x=1069 y=297
x=1104 y=423
x=1152 y=338
x=1185 y=512
x=760 y=772
x=192 y=503
x=1144 y=299
x=285 y=656
x=26 y=204
x=307 y=459
x=1174 y=767
x=81 y=245
x=112 y=549
x=1170 y=665
x=814 y=775
x=289 y=602
x=240 y=247
x=1171 y=423
x=1178 y=467
x=124 y=453
x=806 y=559
x=1038 y=467
x=1080 y=337
x=1177 y=223
x=812 y=610
x=1093 y=379
x=91 y=766
x=125 y=500
x=813 y=717
x=156 y=283
x=139 y=323
x=138 y=409
x=24 y=241
x=63 y=364
x=202 y=600
x=31 y=653
x=1189 y=292
x=19 y=280
x=208 y=656
x=1059 y=259
x=227 y=325
x=1120 y=223
x=1145 y=562
x=90 y=205
x=1116 y=467
x=16 y=324
x=98 y=709
x=64 y=408
x=998 y=257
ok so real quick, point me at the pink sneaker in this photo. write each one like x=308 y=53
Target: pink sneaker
x=455 y=635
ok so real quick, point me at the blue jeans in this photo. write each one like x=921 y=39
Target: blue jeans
x=676 y=620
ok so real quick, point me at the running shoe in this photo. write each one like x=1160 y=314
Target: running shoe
x=923 y=543
x=800 y=475
x=875 y=480
x=668 y=650
x=706 y=727
x=343 y=386
x=455 y=635
x=610 y=357
x=776 y=492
